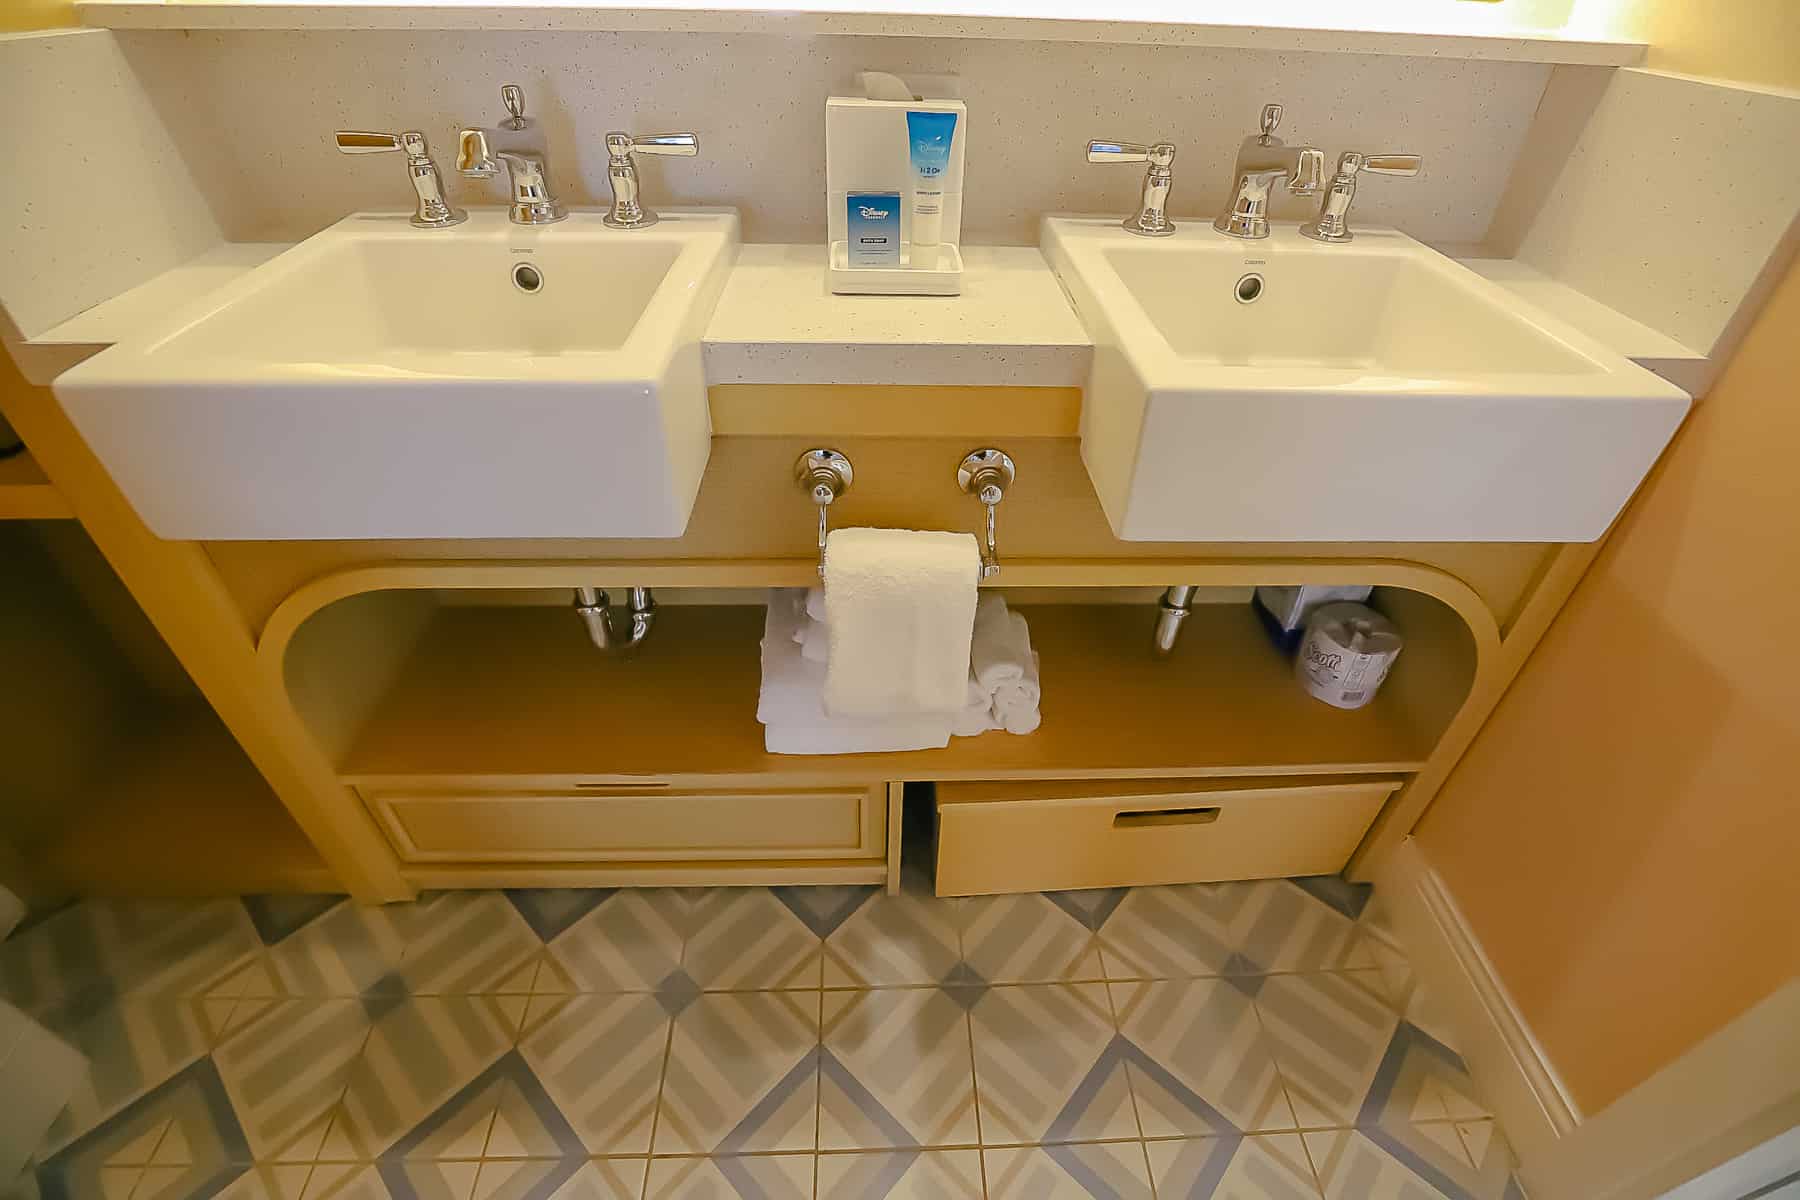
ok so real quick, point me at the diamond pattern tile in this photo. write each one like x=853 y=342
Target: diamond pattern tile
x=1206 y=1066
x=742 y=1075
x=1048 y=1065
x=600 y=1058
x=1102 y=1171
x=901 y=1175
x=1264 y=1167
x=1253 y=1041
x=896 y=1071
x=1027 y=939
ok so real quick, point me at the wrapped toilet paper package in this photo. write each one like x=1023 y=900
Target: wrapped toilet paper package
x=1346 y=653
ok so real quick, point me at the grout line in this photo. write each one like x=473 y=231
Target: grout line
x=662 y=1078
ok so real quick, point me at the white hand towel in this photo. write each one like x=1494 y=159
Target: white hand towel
x=815 y=604
x=900 y=608
x=790 y=708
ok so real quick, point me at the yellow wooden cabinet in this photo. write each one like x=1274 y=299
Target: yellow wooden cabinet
x=432 y=715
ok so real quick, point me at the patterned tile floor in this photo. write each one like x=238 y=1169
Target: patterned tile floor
x=1257 y=1041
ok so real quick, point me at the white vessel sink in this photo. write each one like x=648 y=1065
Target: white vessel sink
x=381 y=381
x=1373 y=391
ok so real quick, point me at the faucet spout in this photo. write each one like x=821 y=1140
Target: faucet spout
x=523 y=157
x=1262 y=161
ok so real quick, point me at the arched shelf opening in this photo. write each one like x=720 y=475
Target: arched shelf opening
x=478 y=670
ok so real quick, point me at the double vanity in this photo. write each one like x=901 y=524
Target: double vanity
x=406 y=442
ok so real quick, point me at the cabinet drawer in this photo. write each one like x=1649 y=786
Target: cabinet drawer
x=1049 y=836
x=526 y=825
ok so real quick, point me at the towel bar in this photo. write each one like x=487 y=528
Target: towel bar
x=824 y=475
x=986 y=474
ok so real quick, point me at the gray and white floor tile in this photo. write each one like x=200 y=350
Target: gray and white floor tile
x=742 y=1075
x=1026 y=939
x=1049 y=1065
x=1271 y=1166
x=901 y=1175
x=1206 y=1066
x=1073 y=1171
x=895 y=1070
x=758 y=1042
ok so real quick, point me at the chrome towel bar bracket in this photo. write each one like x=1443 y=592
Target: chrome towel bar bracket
x=824 y=475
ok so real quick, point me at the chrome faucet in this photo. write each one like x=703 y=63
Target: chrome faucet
x=520 y=149
x=1333 y=222
x=1261 y=162
x=621 y=171
x=1151 y=218
x=433 y=211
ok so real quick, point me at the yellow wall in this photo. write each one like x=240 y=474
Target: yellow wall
x=17 y=15
x=1751 y=41
x=1623 y=834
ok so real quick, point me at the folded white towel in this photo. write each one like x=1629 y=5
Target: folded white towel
x=790 y=708
x=815 y=641
x=815 y=604
x=791 y=686
x=900 y=608
x=860 y=735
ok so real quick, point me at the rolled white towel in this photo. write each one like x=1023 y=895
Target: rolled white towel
x=978 y=716
x=1000 y=650
x=1016 y=703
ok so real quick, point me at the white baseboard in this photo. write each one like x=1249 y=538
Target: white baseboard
x=1508 y=1066
x=1736 y=1090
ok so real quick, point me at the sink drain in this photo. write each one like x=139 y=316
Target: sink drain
x=527 y=278
x=1249 y=288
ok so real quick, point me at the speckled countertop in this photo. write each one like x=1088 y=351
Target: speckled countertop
x=777 y=322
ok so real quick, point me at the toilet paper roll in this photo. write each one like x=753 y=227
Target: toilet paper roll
x=1346 y=653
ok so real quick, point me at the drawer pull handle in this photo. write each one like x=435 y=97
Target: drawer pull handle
x=634 y=787
x=1165 y=816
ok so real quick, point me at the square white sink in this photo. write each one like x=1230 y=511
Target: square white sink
x=1372 y=391
x=381 y=381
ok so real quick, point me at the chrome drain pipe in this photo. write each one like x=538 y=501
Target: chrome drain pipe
x=594 y=607
x=1172 y=611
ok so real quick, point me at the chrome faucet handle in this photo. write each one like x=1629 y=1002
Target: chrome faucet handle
x=1151 y=218
x=1333 y=222
x=621 y=172
x=678 y=145
x=432 y=211
x=1381 y=164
